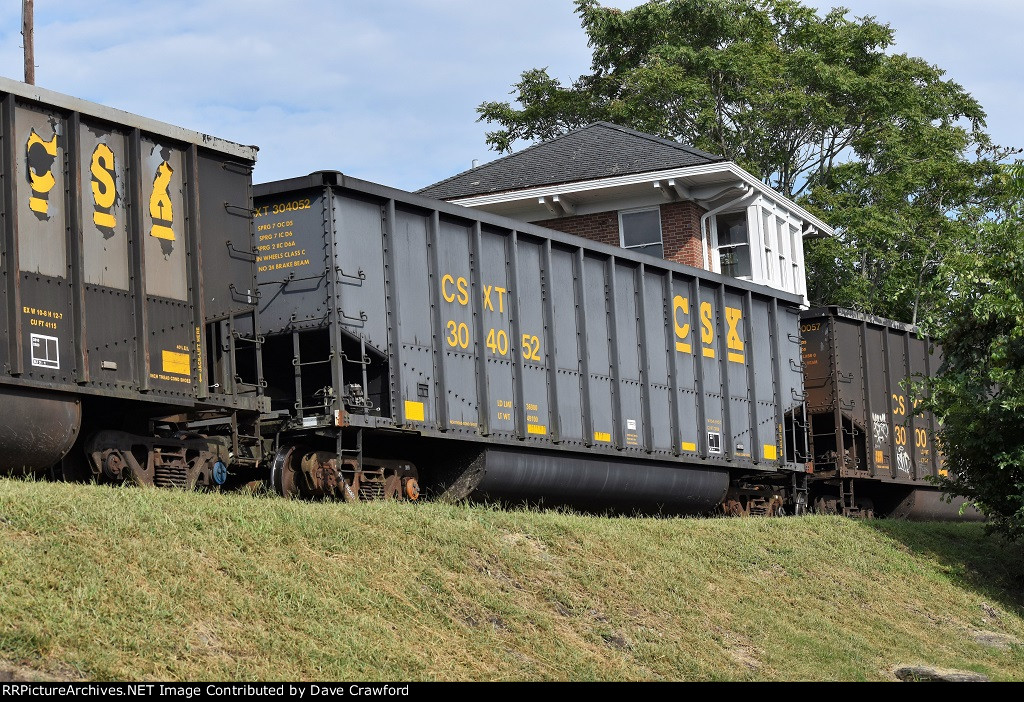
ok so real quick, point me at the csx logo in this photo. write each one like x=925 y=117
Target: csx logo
x=160 y=210
x=460 y=292
x=41 y=155
x=104 y=192
x=42 y=159
x=681 y=321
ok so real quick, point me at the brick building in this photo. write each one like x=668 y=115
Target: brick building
x=625 y=188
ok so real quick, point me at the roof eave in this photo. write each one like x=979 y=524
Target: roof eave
x=645 y=177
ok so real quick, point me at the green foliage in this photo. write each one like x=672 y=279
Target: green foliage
x=768 y=84
x=879 y=145
x=979 y=392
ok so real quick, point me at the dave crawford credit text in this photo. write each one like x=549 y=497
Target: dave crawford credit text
x=187 y=691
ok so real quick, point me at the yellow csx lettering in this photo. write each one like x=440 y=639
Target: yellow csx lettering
x=41 y=183
x=733 y=317
x=461 y=286
x=682 y=330
x=732 y=339
x=488 y=289
x=103 y=190
x=160 y=210
x=461 y=292
x=707 y=329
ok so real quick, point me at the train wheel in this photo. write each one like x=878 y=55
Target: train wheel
x=800 y=503
x=283 y=474
x=867 y=508
x=776 y=507
x=826 y=505
x=734 y=508
x=392 y=487
x=412 y=489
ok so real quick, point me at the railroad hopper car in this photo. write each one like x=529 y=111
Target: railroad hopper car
x=415 y=345
x=873 y=452
x=127 y=294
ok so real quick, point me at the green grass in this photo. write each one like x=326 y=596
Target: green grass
x=133 y=584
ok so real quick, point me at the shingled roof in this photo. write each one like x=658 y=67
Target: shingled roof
x=598 y=150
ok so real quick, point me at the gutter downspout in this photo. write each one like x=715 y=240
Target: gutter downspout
x=745 y=192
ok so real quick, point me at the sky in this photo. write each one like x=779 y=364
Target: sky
x=386 y=90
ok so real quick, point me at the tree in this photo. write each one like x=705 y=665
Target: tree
x=879 y=145
x=978 y=392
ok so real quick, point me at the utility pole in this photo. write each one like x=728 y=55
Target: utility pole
x=27 y=33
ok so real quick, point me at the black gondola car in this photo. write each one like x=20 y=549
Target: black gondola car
x=127 y=293
x=873 y=452
x=514 y=361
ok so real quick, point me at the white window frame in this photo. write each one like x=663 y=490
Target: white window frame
x=779 y=242
x=768 y=250
x=661 y=232
x=716 y=257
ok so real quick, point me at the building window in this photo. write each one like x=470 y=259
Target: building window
x=640 y=230
x=733 y=245
x=767 y=229
x=795 y=244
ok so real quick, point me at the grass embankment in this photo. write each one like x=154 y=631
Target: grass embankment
x=103 y=583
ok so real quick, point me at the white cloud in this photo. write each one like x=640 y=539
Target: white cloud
x=974 y=42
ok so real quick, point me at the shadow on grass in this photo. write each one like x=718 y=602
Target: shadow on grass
x=986 y=563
